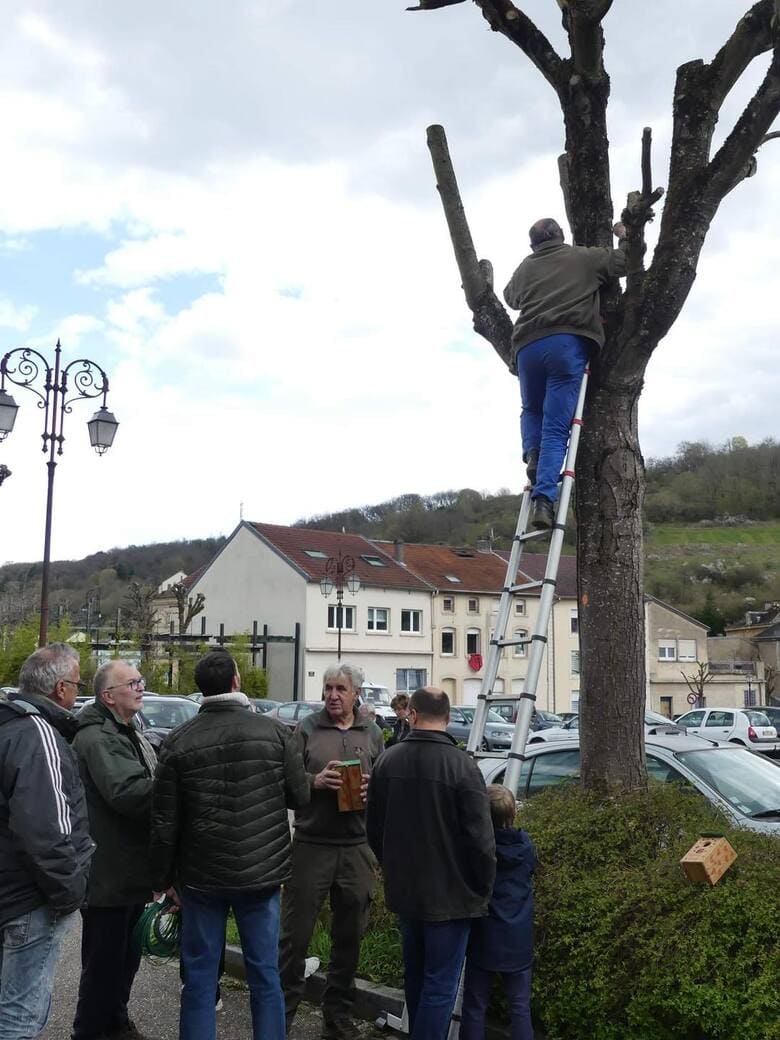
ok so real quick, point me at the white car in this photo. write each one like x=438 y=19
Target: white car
x=653 y=722
x=743 y=785
x=745 y=726
x=379 y=698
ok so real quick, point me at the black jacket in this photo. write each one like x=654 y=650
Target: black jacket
x=118 y=783
x=504 y=940
x=401 y=730
x=45 y=847
x=223 y=787
x=429 y=826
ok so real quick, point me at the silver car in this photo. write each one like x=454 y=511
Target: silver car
x=498 y=734
x=742 y=784
x=654 y=722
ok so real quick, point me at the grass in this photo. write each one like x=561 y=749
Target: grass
x=763 y=534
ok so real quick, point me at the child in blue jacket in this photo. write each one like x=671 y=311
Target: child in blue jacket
x=503 y=942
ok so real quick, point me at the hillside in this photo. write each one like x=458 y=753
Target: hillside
x=712 y=538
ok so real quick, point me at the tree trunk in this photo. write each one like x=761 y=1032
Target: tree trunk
x=609 y=494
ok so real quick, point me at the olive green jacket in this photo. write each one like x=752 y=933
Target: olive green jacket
x=118 y=785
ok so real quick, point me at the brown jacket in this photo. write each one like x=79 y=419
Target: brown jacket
x=556 y=290
x=321 y=741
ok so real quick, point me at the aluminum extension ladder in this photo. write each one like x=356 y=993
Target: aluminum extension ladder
x=538 y=644
x=538 y=640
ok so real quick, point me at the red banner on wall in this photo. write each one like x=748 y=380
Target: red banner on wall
x=475 y=662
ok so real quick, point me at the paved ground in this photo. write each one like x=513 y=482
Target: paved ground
x=154 y=1005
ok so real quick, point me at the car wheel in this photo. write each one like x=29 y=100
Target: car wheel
x=735 y=741
x=536 y=740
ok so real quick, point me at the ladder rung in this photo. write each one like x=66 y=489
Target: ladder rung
x=527 y=585
x=532 y=534
x=511 y=642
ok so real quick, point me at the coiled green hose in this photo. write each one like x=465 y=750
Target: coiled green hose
x=158 y=931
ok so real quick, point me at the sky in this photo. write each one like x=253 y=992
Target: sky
x=231 y=209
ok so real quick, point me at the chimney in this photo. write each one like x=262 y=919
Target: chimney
x=398 y=551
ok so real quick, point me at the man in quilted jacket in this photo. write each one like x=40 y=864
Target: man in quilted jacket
x=221 y=836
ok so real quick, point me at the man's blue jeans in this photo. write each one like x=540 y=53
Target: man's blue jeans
x=434 y=952
x=550 y=371
x=204 y=918
x=28 y=957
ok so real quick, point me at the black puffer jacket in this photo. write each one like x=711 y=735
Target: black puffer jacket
x=223 y=787
x=45 y=847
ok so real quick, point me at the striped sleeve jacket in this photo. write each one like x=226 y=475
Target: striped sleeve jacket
x=45 y=847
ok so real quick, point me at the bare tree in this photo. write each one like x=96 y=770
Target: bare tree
x=140 y=612
x=610 y=468
x=697 y=682
x=186 y=606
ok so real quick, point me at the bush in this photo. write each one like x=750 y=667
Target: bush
x=626 y=945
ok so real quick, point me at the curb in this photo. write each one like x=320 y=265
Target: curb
x=372 y=1000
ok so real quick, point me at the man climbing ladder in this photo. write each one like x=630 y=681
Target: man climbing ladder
x=556 y=290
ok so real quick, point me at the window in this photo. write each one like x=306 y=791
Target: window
x=316 y=554
x=378 y=619
x=520 y=650
x=575 y=662
x=411 y=622
x=667 y=707
x=720 y=718
x=448 y=605
x=575 y=706
x=407 y=680
x=452 y=578
x=667 y=650
x=749 y=696
x=473 y=606
x=519 y=608
x=686 y=649
x=287 y=711
x=553 y=768
x=691 y=720
x=374 y=561
x=666 y=774
x=448 y=642
x=347 y=618
x=574 y=623
x=472 y=641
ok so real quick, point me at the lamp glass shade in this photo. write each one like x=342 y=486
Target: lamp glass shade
x=326 y=586
x=102 y=429
x=353 y=584
x=8 y=410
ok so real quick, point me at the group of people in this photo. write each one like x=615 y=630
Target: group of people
x=92 y=821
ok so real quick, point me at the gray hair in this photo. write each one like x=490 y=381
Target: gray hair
x=43 y=669
x=545 y=230
x=103 y=676
x=355 y=675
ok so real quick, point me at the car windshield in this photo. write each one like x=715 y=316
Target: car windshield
x=550 y=716
x=165 y=714
x=757 y=718
x=377 y=695
x=748 y=782
x=493 y=716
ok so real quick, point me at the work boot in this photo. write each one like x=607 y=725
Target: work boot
x=531 y=465
x=340 y=1027
x=543 y=514
x=130 y=1031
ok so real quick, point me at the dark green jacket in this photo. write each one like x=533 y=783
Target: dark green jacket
x=118 y=784
x=556 y=290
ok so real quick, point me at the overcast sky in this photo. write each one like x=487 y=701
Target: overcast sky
x=231 y=208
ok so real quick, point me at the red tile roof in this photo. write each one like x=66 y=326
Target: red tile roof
x=292 y=543
x=477 y=571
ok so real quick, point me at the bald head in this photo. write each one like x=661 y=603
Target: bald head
x=545 y=230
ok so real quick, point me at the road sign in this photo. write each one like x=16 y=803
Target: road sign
x=692 y=698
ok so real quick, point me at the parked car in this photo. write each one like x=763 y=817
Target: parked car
x=541 y=719
x=379 y=698
x=161 y=713
x=197 y=697
x=747 y=726
x=290 y=713
x=498 y=734
x=742 y=784
x=262 y=705
x=5 y=690
x=654 y=722
x=772 y=712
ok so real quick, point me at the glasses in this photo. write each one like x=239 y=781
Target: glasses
x=134 y=684
x=80 y=683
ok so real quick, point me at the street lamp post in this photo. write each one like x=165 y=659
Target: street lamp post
x=25 y=367
x=339 y=573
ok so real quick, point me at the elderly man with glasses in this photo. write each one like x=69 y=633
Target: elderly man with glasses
x=45 y=847
x=117 y=767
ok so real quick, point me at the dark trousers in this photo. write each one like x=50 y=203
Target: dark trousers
x=109 y=962
x=476 y=996
x=345 y=873
x=433 y=961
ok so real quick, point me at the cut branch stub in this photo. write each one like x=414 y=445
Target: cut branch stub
x=432 y=5
x=490 y=318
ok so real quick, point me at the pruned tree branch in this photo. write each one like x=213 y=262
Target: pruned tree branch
x=751 y=37
x=582 y=20
x=502 y=16
x=490 y=318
